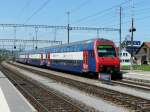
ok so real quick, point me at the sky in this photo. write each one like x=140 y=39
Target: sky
x=88 y=13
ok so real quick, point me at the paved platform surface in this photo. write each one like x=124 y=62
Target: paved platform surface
x=11 y=100
x=143 y=75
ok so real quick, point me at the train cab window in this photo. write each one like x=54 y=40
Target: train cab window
x=106 y=51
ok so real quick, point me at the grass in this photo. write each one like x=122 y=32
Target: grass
x=137 y=67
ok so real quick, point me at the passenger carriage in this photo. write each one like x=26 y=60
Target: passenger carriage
x=90 y=56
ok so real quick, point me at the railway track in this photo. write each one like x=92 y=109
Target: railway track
x=42 y=98
x=133 y=84
x=139 y=81
x=129 y=101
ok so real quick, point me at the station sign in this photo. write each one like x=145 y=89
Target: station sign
x=134 y=43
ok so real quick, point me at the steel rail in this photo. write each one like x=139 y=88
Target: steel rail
x=123 y=99
x=140 y=86
x=35 y=100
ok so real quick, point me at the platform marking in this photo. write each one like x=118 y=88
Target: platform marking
x=3 y=103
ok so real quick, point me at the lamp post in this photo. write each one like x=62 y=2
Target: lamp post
x=132 y=29
x=68 y=26
x=36 y=31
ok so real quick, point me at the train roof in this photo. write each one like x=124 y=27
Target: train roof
x=81 y=42
x=72 y=43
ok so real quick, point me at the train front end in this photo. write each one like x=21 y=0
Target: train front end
x=107 y=59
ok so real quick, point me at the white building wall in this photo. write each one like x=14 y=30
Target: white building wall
x=125 y=58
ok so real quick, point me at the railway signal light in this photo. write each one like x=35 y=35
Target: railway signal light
x=132 y=29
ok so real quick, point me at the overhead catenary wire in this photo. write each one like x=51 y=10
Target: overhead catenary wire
x=105 y=16
x=24 y=7
x=73 y=10
x=136 y=13
x=35 y=12
x=128 y=21
x=100 y=12
x=77 y=8
x=135 y=4
x=140 y=12
x=106 y=10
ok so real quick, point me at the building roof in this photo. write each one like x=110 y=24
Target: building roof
x=144 y=43
x=147 y=44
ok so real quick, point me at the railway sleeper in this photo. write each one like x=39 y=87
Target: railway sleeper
x=118 y=98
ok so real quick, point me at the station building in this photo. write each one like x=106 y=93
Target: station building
x=125 y=54
x=143 y=54
x=125 y=57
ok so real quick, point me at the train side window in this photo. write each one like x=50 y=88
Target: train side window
x=68 y=49
x=73 y=49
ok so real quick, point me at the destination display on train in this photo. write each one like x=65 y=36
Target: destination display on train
x=104 y=46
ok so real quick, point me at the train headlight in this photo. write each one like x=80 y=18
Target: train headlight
x=116 y=66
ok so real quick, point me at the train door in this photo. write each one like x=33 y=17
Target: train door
x=42 y=59
x=28 y=58
x=85 y=60
x=25 y=58
x=91 y=61
x=48 y=58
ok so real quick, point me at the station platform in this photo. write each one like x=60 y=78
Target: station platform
x=11 y=100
